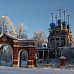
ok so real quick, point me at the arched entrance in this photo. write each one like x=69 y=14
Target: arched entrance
x=23 y=58
x=6 y=55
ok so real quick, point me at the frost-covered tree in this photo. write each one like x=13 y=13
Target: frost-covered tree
x=6 y=25
x=21 y=31
x=41 y=38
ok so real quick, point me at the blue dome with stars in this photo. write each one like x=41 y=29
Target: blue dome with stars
x=52 y=24
x=56 y=27
x=59 y=21
x=64 y=23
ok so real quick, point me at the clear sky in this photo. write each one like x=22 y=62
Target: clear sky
x=35 y=13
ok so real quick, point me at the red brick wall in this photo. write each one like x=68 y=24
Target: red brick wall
x=9 y=41
x=30 y=50
x=31 y=54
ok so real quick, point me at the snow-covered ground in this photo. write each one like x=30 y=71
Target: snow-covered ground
x=11 y=70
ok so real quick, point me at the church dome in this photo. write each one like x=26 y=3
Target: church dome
x=64 y=23
x=56 y=27
x=52 y=24
x=59 y=21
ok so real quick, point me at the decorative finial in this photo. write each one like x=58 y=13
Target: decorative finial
x=64 y=14
x=60 y=11
x=56 y=20
x=68 y=18
x=52 y=14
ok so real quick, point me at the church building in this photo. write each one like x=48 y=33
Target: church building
x=60 y=34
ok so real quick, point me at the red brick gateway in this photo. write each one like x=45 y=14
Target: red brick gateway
x=20 y=50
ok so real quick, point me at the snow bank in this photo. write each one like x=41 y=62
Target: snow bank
x=44 y=70
x=4 y=63
x=24 y=64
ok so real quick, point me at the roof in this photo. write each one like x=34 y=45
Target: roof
x=65 y=47
x=24 y=40
x=42 y=48
x=8 y=35
x=16 y=39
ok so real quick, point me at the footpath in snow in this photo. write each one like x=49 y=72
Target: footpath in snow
x=11 y=70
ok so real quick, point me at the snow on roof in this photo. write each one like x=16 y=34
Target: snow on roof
x=1 y=35
x=16 y=39
x=24 y=40
x=42 y=48
x=0 y=45
x=62 y=57
x=27 y=39
x=66 y=47
x=9 y=35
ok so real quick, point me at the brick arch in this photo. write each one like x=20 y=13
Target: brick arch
x=5 y=44
x=19 y=58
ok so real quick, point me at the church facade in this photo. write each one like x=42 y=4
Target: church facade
x=60 y=34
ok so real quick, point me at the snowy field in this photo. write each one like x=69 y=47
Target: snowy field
x=11 y=70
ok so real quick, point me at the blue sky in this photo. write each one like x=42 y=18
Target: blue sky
x=35 y=13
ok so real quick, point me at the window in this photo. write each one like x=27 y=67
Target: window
x=62 y=38
x=57 y=38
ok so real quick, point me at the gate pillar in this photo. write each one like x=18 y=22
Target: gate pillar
x=31 y=56
x=15 y=57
